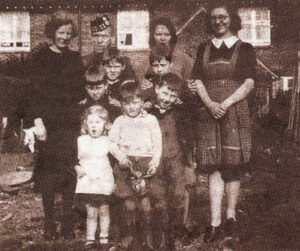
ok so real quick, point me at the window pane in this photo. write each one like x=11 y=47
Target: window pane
x=133 y=30
x=15 y=31
x=256 y=26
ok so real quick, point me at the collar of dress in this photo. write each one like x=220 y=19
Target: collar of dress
x=229 y=42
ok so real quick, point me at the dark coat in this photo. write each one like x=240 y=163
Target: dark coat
x=56 y=89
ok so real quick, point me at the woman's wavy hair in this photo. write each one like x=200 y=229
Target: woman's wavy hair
x=57 y=20
x=99 y=111
x=235 y=20
x=166 y=22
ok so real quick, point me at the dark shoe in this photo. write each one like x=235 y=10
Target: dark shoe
x=106 y=247
x=187 y=240
x=211 y=234
x=229 y=227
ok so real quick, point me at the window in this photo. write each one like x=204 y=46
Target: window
x=256 y=26
x=133 y=30
x=15 y=31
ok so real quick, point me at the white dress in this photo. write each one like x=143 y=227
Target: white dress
x=93 y=159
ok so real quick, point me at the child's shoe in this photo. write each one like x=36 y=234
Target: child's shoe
x=229 y=227
x=89 y=244
x=211 y=234
x=105 y=244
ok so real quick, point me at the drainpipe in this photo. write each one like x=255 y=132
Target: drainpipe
x=79 y=28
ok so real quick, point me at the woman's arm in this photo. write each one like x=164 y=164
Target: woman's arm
x=198 y=87
x=241 y=93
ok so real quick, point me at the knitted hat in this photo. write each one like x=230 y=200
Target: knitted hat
x=100 y=24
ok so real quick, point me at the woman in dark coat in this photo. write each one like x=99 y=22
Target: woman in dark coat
x=224 y=71
x=56 y=75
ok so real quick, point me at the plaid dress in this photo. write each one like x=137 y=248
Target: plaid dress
x=225 y=141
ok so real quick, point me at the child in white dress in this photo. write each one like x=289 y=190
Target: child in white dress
x=95 y=180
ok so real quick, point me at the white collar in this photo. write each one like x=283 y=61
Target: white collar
x=229 y=42
x=111 y=82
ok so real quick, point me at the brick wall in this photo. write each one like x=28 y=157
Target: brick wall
x=280 y=57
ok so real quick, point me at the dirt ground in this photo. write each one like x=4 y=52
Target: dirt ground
x=268 y=210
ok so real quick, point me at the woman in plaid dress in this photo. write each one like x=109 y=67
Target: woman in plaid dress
x=224 y=71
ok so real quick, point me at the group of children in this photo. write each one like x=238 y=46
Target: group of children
x=131 y=146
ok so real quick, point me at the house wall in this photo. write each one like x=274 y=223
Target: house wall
x=280 y=57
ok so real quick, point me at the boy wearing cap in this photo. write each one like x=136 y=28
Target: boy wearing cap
x=101 y=31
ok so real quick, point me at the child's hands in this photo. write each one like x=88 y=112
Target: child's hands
x=40 y=130
x=114 y=102
x=147 y=105
x=152 y=169
x=135 y=173
x=79 y=171
x=190 y=175
x=194 y=85
x=125 y=163
x=178 y=101
x=4 y=122
x=146 y=84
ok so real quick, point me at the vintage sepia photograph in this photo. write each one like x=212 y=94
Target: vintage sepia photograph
x=149 y=125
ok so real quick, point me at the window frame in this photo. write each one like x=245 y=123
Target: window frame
x=134 y=30
x=16 y=27
x=253 y=24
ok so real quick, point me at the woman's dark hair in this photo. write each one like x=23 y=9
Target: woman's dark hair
x=59 y=19
x=235 y=20
x=166 y=22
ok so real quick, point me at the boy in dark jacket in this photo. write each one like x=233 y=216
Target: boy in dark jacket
x=115 y=73
x=170 y=118
x=97 y=91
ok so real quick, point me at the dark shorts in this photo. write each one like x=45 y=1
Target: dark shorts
x=156 y=187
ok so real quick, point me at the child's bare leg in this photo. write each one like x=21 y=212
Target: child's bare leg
x=216 y=190
x=232 y=193
x=104 y=223
x=91 y=221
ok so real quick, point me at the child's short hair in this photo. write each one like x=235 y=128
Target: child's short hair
x=160 y=52
x=94 y=75
x=172 y=81
x=101 y=112
x=129 y=90
x=113 y=56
